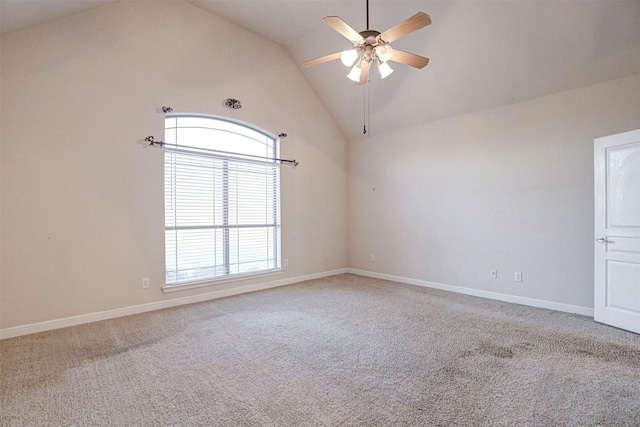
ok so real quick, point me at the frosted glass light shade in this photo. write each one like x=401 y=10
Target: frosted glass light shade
x=355 y=74
x=383 y=52
x=384 y=69
x=348 y=57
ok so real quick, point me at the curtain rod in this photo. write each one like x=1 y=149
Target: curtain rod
x=151 y=140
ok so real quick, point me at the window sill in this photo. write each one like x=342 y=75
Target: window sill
x=174 y=287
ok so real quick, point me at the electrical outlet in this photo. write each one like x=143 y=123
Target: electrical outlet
x=145 y=283
x=493 y=274
x=517 y=277
x=373 y=258
x=286 y=262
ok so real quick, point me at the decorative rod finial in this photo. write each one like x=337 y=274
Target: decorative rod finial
x=151 y=140
x=232 y=104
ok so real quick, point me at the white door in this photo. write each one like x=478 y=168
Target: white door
x=617 y=230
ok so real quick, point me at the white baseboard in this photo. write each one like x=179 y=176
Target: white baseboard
x=143 y=308
x=567 y=308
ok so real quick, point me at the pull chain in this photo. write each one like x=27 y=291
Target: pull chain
x=368 y=89
x=366 y=109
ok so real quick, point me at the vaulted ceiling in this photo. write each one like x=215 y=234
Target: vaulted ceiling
x=483 y=53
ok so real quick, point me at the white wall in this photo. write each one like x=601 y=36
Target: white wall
x=509 y=188
x=82 y=196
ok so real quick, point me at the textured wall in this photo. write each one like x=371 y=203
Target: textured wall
x=509 y=188
x=82 y=196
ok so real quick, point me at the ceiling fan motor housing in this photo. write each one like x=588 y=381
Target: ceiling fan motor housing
x=371 y=40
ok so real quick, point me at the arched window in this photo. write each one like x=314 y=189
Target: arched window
x=222 y=199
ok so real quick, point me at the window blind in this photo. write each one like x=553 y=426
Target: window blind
x=222 y=216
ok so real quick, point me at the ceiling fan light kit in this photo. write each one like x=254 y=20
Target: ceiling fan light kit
x=348 y=57
x=355 y=73
x=384 y=69
x=383 y=52
x=372 y=46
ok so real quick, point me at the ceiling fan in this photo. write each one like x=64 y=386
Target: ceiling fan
x=370 y=46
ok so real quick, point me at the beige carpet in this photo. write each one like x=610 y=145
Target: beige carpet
x=346 y=350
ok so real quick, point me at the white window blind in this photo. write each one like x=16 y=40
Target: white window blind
x=222 y=209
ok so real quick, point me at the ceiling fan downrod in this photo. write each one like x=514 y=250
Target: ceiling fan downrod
x=367 y=14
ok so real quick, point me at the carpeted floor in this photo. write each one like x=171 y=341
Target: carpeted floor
x=341 y=351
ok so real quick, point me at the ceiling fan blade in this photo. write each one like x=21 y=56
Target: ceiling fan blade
x=407 y=58
x=407 y=26
x=322 y=59
x=343 y=28
x=364 y=74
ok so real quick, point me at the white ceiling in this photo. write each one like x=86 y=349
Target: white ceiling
x=483 y=53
